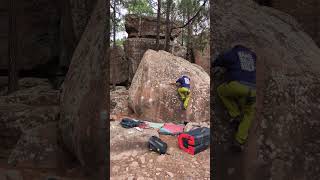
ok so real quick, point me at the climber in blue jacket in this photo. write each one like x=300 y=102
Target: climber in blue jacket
x=238 y=93
x=184 y=90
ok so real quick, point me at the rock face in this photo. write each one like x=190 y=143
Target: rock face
x=306 y=12
x=136 y=47
x=203 y=59
x=119 y=69
x=35 y=105
x=33 y=32
x=146 y=26
x=178 y=50
x=119 y=102
x=142 y=36
x=82 y=98
x=38 y=147
x=283 y=139
x=51 y=28
x=81 y=10
x=153 y=98
x=134 y=50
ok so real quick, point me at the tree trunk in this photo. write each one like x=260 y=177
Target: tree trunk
x=114 y=23
x=168 y=27
x=67 y=34
x=114 y=44
x=158 y=25
x=182 y=30
x=12 y=48
x=189 y=35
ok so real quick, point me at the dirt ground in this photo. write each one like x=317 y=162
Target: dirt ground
x=135 y=161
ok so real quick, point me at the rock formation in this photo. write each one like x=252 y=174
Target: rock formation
x=35 y=106
x=83 y=96
x=283 y=138
x=52 y=28
x=146 y=26
x=305 y=12
x=202 y=58
x=142 y=36
x=153 y=98
x=119 y=69
x=119 y=102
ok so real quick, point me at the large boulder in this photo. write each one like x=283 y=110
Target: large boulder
x=153 y=98
x=146 y=26
x=135 y=48
x=119 y=66
x=34 y=105
x=83 y=95
x=284 y=136
x=38 y=148
x=80 y=11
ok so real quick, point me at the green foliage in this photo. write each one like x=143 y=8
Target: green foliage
x=119 y=42
x=201 y=41
x=140 y=7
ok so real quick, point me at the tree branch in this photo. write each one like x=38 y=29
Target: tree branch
x=191 y=19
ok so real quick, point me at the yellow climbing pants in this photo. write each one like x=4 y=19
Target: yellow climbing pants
x=185 y=96
x=235 y=96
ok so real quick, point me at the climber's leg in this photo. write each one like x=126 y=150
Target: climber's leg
x=248 y=109
x=228 y=93
x=181 y=93
x=186 y=101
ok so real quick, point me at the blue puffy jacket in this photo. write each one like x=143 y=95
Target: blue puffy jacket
x=240 y=63
x=184 y=81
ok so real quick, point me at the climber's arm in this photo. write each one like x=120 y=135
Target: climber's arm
x=223 y=59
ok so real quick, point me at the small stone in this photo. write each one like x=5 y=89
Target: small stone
x=142 y=159
x=134 y=164
x=157 y=174
x=160 y=158
x=159 y=169
x=170 y=174
x=134 y=153
x=115 y=169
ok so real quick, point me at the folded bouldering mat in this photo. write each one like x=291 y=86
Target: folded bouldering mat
x=154 y=125
x=171 y=129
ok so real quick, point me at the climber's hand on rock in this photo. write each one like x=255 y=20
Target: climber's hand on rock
x=174 y=83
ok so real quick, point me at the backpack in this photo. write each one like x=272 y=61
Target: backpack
x=157 y=145
x=129 y=123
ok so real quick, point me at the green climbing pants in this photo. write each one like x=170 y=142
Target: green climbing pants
x=185 y=96
x=239 y=101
